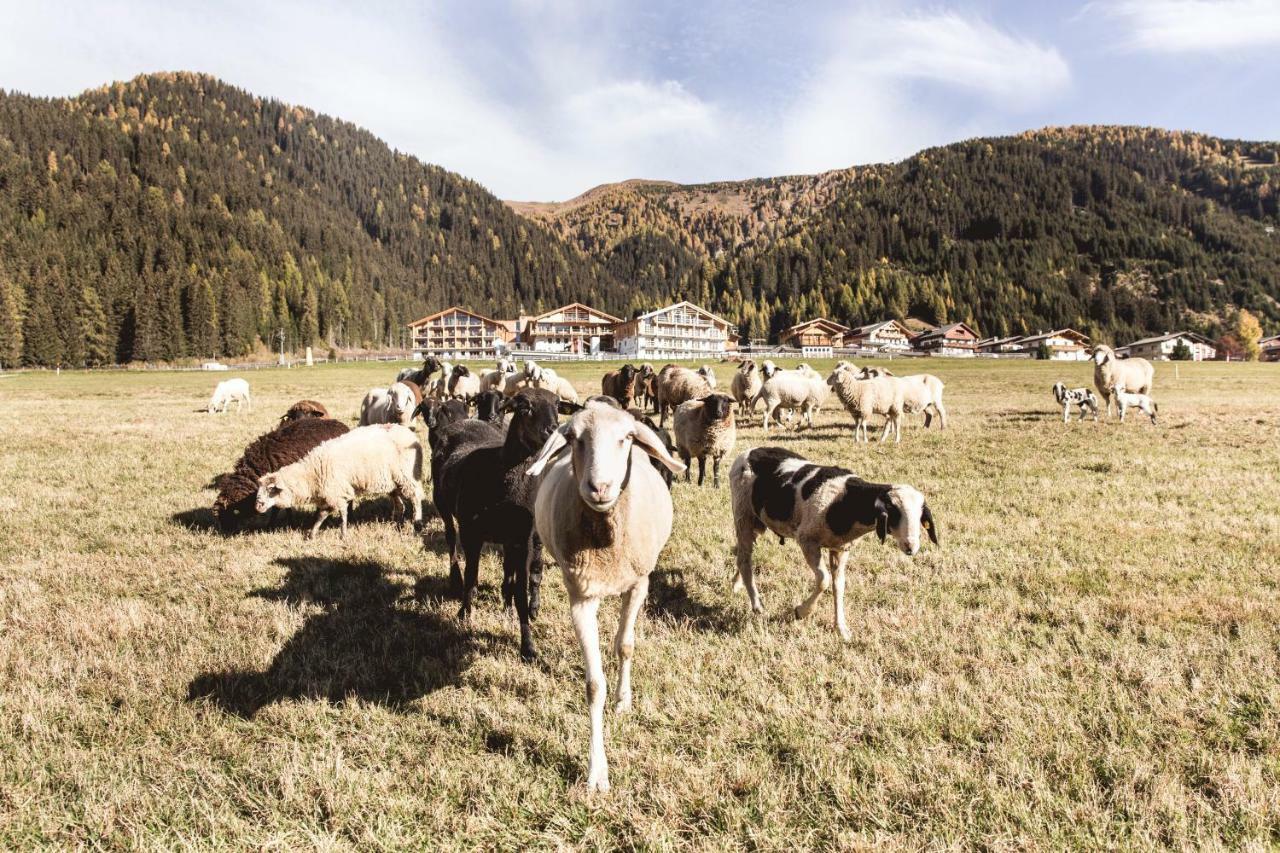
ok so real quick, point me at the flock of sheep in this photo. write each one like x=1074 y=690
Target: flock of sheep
x=594 y=490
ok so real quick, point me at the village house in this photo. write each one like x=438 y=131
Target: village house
x=892 y=335
x=1269 y=348
x=459 y=334
x=1063 y=344
x=819 y=332
x=953 y=339
x=682 y=330
x=571 y=328
x=1161 y=348
x=1001 y=345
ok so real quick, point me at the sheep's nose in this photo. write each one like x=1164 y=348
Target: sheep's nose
x=601 y=490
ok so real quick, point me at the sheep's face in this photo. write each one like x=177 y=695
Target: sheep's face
x=628 y=374
x=717 y=407
x=1059 y=391
x=904 y=515
x=271 y=493
x=1101 y=355
x=768 y=369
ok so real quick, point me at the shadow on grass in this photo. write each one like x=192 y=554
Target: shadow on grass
x=669 y=597
x=363 y=644
x=200 y=519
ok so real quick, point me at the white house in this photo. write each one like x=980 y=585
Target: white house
x=682 y=330
x=1063 y=344
x=1161 y=348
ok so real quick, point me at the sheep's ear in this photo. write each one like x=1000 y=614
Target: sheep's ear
x=649 y=442
x=565 y=407
x=552 y=447
x=882 y=520
x=927 y=522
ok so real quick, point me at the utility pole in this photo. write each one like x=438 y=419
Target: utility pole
x=280 y=337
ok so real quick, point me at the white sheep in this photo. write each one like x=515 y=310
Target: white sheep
x=1133 y=374
x=463 y=384
x=745 y=385
x=604 y=514
x=230 y=391
x=865 y=397
x=394 y=405
x=792 y=389
x=705 y=428
x=1126 y=400
x=921 y=392
x=369 y=460
x=708 y=374
x=556 y=384
x=494 y=380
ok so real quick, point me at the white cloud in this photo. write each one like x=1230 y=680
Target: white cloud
x=862 y=104
x=1193 y=26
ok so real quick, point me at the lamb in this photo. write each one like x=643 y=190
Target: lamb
x=483 y=488
x=745 y=385
x=368 y=460
x=824 y=508
x=678 y=385
x=1126 y=400
x=791 y=389
x=862 y=398
x=304 y=409
x=284 y=445
x=705 y=428
x=604 y=516
x=1133 y=374
x=394 y=405
x=230 y=391
x=1081 y=397
x=463 y=384
x=708 y=374
x=621 y=384
x=921 y=392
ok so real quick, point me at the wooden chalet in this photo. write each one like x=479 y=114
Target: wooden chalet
x=459 y=334
x=570 y=328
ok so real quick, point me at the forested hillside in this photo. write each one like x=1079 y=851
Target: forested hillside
x=174 y=216
x=1117 y=231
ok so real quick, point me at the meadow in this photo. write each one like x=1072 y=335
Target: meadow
x=1091 y=658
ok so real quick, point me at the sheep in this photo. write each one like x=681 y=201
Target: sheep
x=791 y=389
x=489 y=407
x=842 y=364
x=882 y=395
x=420 y=375
x=304 y=409
x=621 y=384
x=394 y=405
x=551 y=381
x=678 y=385
x=1126 y=400
x=643 y=380
x=368 y=460
x=604 y=516
x=414 y=389
x=286 y=444
x=484 y=489
x=438 y=388
x=921 y=392
x=1081 y=397
x=1134 y=374
x=230 y=391
x=824 y=508
x=463 y=384
x=492 y=380
x=745 y=385
x=708 y=374
x=437 y=414
x=665 y=437
x=705 y=428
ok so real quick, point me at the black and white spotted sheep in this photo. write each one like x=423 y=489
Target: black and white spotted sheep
x=1081 y=397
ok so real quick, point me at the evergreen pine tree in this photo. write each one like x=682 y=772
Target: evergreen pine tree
x=99 y=348
x=11 y=341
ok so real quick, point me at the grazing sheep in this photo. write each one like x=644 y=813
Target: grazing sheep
x=824 y=509
x=368 y=460
x=1081 y=397
x=304 y=409
x=394 y=405
x=921 y=392
x=791 y=389
x=230 y=391
x=745 y=385
x=678 y=385
x=463 y=384
x=705 y=428
x=1133 y=374
x=621 y=384
x=484 y=489
x=865 y=397
x=708 y=374
x=284 y=445
x=604 y=516
x=1126 y=400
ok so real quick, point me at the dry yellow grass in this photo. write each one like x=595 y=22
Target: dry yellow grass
x=1091 y=659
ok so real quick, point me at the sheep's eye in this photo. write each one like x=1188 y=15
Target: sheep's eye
x=925 y=525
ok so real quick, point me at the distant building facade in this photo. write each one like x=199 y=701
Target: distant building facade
x=683 y=330
x=1001 y=345
x=890 y=335
x=953 y=339
x=1063 y=344
x=1269 y=348
x=1161 y=348
x=570 y=328
x=819 y=332
x=457 y=333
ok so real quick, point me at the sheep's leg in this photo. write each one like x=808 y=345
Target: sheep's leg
x=884 y=433
x=747 y=534
x=702 y=469
x=535 y=575
x=839 y=559
x=897 y=430
x=688 y=465
x=471 y=545
x=585 y=624
x=715 y=471
x=928 y=418
x=624 y=642
x=821 y=579
x=1066 y=412
x=942 y=415
x=346 y=505
x=320 y=519
x=451 y=542
x=515 y=566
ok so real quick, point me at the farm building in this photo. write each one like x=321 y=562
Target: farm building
x=955 y=339
x=460 y=334
x=682 y=330
x=570 y=328
x=1270 y=348
x=1161 y=348
x=885 y=335
x=819 y=332
x=1001 y=345
x=1063 y=344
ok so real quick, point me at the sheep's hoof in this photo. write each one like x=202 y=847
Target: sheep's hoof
x=846 y=635
x=598 y=784
x=464 y=613
x=528 y=654
x=622 y=706
x=797 y=613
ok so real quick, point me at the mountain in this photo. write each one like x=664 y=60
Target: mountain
x=1117 y=231
x=175 y=215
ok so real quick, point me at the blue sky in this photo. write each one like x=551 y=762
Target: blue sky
x=543 y=99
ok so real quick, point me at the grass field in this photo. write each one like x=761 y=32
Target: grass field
x=1090 y=659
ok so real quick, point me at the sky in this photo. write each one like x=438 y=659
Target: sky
x=544 y=99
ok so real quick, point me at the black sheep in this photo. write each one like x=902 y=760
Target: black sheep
x=283 y=446
x=304 y=409
x=489 y=407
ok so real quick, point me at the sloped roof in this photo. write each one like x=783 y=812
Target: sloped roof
x=459 y=310
x=1168 y=336
x=872 y=328
x=1057 y=333
x=609 y=317
x=684 y=303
